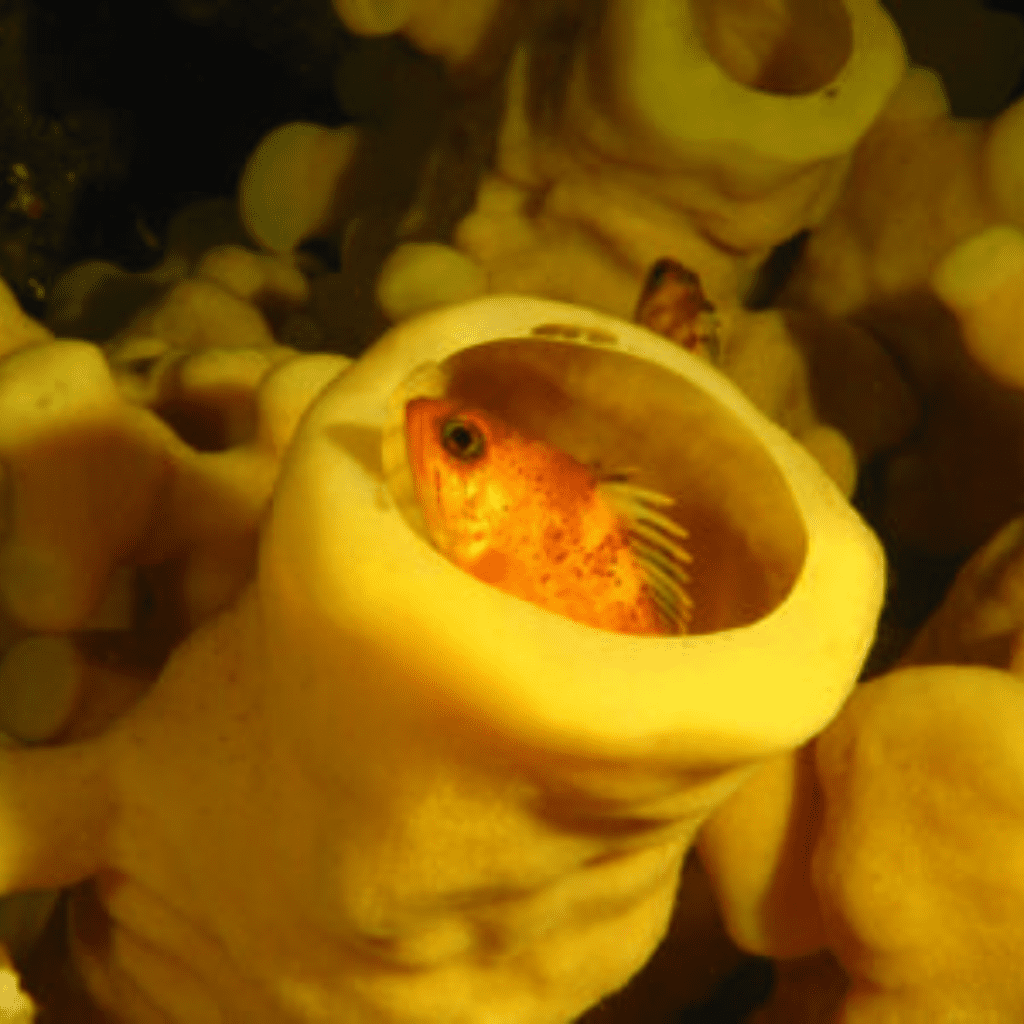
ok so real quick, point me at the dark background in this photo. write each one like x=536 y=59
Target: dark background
x=116 y=113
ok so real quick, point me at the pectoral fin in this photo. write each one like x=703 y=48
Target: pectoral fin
x=658 y=544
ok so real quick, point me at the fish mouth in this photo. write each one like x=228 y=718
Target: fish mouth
x=426 y=381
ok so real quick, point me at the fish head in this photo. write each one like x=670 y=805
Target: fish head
x=453 y=456
x=674 y=305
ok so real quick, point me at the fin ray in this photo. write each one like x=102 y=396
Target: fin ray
x=657 y=542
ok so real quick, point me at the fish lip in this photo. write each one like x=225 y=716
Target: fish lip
x=428 y=380
x=416 y=430
x=417 y=434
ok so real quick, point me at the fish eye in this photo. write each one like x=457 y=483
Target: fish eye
x=462 y=439
x=659 y=272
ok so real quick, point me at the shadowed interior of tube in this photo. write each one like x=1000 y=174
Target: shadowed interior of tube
x=780 y=46
x=616 y=412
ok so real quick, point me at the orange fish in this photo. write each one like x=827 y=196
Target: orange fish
x=673 y=304
x=524 y=516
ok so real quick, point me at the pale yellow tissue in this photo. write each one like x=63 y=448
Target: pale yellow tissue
x=921 y=251
x=40 y=686
x=253 y=276
x=418 y=275
x=15 y=1005
x=920 y=864
x=757 y=852
x=315 y=162
x=373 y=17
x=709 y=135
x=835 y=455
x=96 y=299
x=892 y=843
x=1002 y=154
x=789 y=89
x=454 y=30
x=351 y=782
x=96 y=480
x=367 y=786
x=982 y=283
x=64 y=430
x=17 y=329
x=981 y=618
